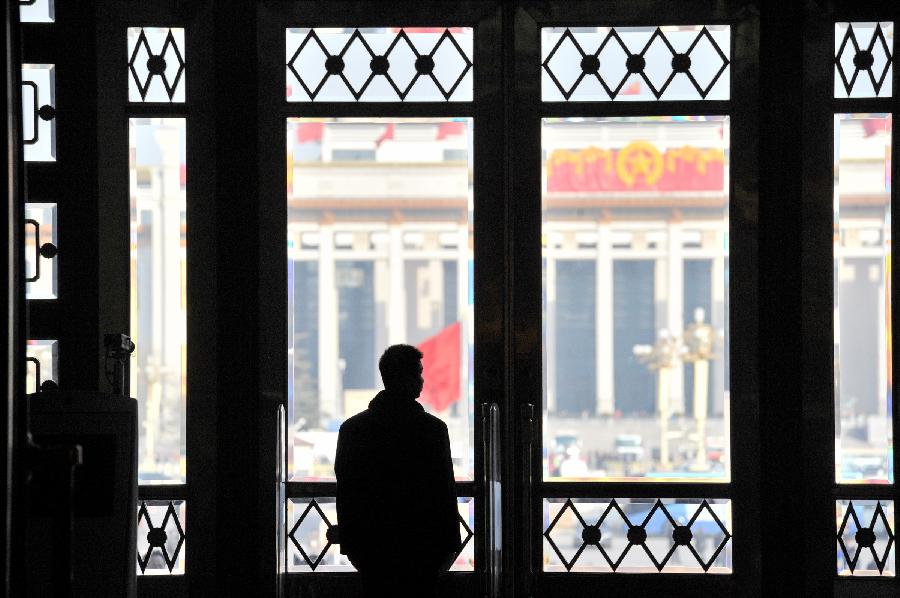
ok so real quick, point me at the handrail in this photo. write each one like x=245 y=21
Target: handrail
x=492 y=492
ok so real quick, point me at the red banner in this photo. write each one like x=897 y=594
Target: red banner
x=639 y=166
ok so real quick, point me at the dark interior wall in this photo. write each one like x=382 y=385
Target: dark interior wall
x=792 y=234
x=72 y=183
x=12 y=304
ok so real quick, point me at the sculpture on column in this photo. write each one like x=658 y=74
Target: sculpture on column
x=662 y=357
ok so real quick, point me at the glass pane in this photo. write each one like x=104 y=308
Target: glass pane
x=864 y=437
x=379 y=252
x=40 y=251
x=865 y=537
x=389 y=64
x=158 y=320
x=156 y=64
x=39 y=112
x=635 y=248
x=634 y=535
x=36 y=11
x=161 y=537
x=863 y=59
x=42 y=363
x=309 y=531
x=598 y=64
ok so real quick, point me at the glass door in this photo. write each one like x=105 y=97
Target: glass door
x=544 y=202
x=391 y=144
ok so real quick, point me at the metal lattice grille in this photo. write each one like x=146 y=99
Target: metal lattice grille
x=379 y=65
x=156 y=64
x=863 y=49
x=39 y=112
x=638 y=63
x=866 y=533
x=40 y=250
x=314 y=534
x=160 y=545
x=655 y=529
x=42 y=358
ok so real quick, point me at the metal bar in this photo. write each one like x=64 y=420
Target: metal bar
x=620 y=108
x=817 y=320
x=162 y=492
x=34 y=131
x=868 y=10
x=634 y=490
x=490 y=414
x=863 y=491
x=378 y=109
x=635 y=13
x=527 y=520
x=152 y=586
x=523 y=278
x=158 y=110
x=848 y=105
x=37 y=250
x=871 y=587
x=744 y=311
x=895 y=289
x=346 y=13
x=37 y=372
x=317 y=489
x=488 y=237
x=565 y=585
x=45 y=315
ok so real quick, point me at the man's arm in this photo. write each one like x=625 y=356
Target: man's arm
x=449 y=515
x=345 y=477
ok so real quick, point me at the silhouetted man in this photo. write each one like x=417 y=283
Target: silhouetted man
x=396 y=498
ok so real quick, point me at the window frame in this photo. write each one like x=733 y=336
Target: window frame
x=818 y=395
x=743 y=317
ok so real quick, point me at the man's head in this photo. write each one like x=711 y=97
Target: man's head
x=401 y=370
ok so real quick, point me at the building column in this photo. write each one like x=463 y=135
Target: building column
x=603 y=325
x=396 y=287
x=329 y=332
x=675 y=310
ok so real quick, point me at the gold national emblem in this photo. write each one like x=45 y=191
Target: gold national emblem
x=639 y=159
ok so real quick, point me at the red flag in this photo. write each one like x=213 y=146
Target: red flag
x=632 y=89
x=871 y=126
x=450 y=129
x=307 y=132
x=387 y=134
x=440 y=368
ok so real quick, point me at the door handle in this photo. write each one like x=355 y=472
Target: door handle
x=280 y=500
x=493 y=534
x=527 y=416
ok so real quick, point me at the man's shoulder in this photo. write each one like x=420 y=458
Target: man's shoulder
x=355 y=421
x=434 y=423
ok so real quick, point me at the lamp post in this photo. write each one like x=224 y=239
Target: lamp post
x=661 y=357
x=699 y=340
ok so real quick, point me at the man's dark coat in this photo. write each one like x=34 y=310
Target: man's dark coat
x=396 y=498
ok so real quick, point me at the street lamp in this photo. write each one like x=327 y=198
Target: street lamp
x=661 y=357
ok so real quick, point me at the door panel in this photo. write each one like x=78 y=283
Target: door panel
x=386 y=246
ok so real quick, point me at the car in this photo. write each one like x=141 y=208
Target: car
x=629 y=446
